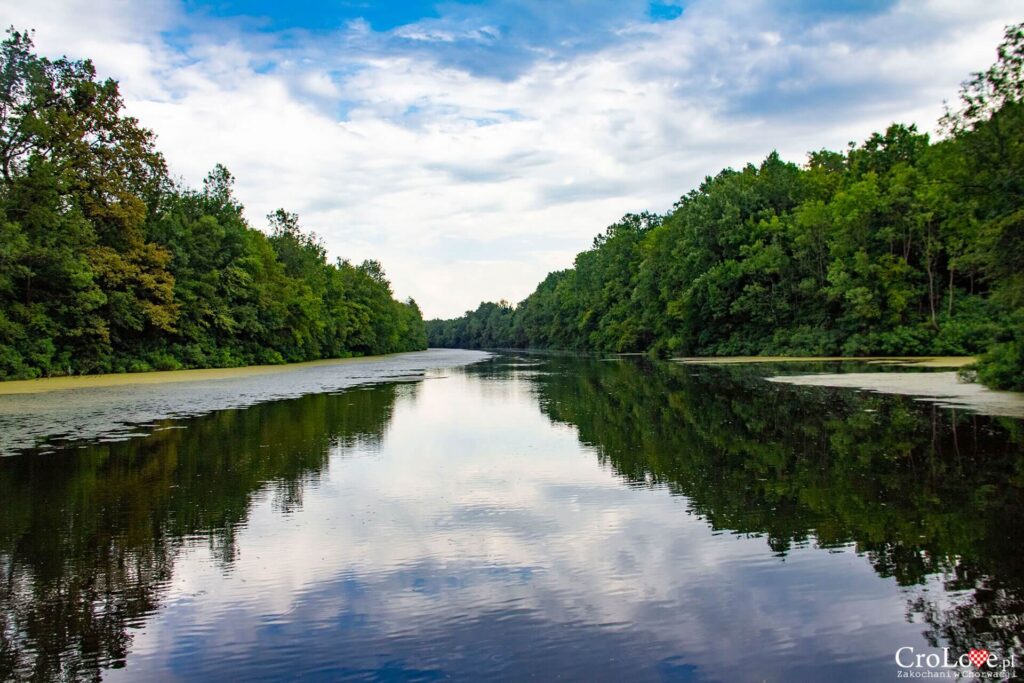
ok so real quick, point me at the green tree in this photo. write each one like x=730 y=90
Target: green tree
x=105 y=264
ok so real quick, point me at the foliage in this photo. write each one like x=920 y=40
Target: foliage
x=900 y=245
x=106 y=265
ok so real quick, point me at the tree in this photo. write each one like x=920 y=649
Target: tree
x=105 y=264
x=898 y=245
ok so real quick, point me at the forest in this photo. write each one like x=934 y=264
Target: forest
x=107 y=264
x=901 y=245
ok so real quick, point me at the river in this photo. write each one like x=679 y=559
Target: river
x=456 y=515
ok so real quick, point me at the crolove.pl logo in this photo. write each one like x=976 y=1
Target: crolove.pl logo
x=976 y=663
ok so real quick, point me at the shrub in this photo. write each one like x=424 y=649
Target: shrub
x=162 y=360
x=138 y=366
x=1003 y=366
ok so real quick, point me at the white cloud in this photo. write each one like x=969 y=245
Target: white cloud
x=456 y=181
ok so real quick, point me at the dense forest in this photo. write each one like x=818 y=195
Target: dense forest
x=108 y=265
x=900 y=245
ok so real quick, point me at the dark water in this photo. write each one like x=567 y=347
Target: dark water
x=521 y=517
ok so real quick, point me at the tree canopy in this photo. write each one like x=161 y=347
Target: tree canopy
x=900 y=245
x=107 y=265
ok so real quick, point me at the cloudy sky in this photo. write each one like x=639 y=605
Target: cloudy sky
x=474 y=146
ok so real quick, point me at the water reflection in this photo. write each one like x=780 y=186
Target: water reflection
x=89 y=536
x=476 y=525
x=922 y=491
x=116 y=407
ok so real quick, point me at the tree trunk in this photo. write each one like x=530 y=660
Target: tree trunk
x=931 y=292
x=950 y=310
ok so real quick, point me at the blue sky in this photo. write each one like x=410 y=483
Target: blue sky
x=273 y=15
x=474 y=146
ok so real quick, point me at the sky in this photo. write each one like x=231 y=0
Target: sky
x=472 y=147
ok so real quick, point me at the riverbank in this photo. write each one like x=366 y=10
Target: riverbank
x=942 y=388
x=46 y=384
x=44 y=413
x=910 y=361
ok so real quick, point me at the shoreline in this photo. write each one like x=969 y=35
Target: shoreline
x=46 y=384
x=908 y=361
x=941 y=388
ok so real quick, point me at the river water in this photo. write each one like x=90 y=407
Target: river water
x=461 y=516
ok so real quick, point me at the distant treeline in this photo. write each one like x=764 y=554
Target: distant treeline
x=108 y=265
x=900 y=245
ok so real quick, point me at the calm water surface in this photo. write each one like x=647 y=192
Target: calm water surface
x=514 y=517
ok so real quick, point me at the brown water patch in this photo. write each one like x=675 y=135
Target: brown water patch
x=36 y=386
x=943 y=388
x=915 y=361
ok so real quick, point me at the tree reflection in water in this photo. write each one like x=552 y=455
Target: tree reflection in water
x=932 y=497
x=89 y=536
x=923 y=492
